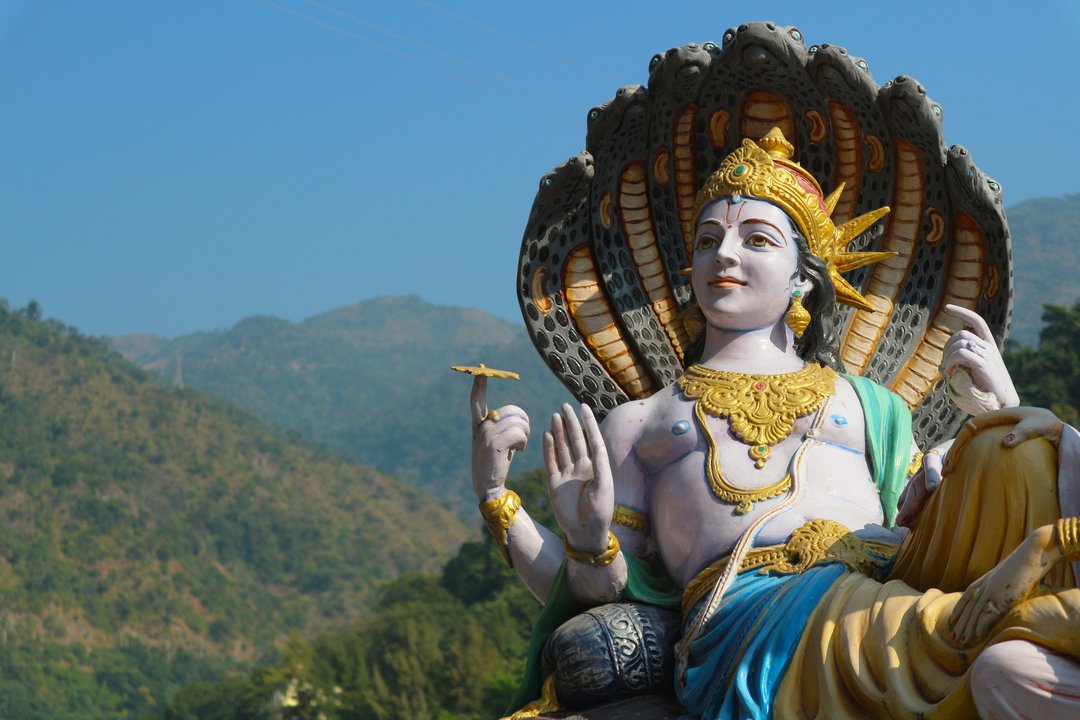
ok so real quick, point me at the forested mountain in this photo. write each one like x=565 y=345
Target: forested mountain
x=151 y=537
x=371 y=380
x=1045 y=238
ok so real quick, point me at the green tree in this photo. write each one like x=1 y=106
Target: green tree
x=1050 y=376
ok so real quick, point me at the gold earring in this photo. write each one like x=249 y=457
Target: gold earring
x=797 y=317
x=687 y=271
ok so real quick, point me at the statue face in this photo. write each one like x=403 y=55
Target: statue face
x=744 y=264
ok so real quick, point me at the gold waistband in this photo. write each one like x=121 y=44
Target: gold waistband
x=816 y=542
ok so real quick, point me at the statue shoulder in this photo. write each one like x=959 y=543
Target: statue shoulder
x=633 y=415
x=627 y=428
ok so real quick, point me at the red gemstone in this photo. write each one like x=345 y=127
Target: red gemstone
x=760 y=386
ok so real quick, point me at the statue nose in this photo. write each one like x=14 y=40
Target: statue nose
x=725 y=253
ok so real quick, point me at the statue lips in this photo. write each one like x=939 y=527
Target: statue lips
x=725 y=282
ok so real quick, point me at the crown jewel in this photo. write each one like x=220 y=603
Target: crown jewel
x=765 y=170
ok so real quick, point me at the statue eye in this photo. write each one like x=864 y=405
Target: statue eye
x=759 y=241
x=706 y=242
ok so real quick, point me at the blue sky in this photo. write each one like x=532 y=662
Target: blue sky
x=174 y=166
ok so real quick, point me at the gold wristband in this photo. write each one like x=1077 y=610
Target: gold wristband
x=916 y=464
x=499 y=515
x=1067 y=532
x=630 y=518
x=604 y=558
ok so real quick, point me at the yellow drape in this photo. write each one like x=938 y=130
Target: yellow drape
x=885 y=650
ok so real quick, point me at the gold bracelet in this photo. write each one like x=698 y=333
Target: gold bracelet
x=1067 y=532
x=604 y=558
x=916 y=463
x=630 y=518
x=499 y=515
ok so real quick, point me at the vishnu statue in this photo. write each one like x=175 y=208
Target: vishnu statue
x=818 y=563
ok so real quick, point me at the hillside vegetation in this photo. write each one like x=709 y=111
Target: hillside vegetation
x=450 y=646
x=151 y=537
x=1045 y=237
x=371 y=380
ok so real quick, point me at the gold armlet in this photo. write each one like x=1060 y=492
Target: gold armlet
x=916 y=464
x=630 y=518
x=499 y=514
x=1067 y=532
x=604 y=558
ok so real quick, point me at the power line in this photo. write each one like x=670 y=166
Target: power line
x=448 y=55
x=517 y=41
x=416 y=60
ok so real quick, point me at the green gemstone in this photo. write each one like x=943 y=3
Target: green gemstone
x=740 y=170
x=761 y=448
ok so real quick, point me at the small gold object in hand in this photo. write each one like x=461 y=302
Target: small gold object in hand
x=485 y=371
x=493 y=416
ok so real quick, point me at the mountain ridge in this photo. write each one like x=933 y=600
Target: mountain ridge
x=370 y=380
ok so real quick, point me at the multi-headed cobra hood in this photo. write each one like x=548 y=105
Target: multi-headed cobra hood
x=610 y=230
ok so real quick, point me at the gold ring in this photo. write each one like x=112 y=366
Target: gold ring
x=493 y=416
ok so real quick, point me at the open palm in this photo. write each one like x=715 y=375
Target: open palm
x=579 y=479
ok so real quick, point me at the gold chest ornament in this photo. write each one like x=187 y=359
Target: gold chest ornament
x=761 y=409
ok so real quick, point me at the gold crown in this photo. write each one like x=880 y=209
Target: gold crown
x=764 y=170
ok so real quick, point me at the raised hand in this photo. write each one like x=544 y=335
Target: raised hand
x=978 y=379
x=579 y=479
x=497 y=435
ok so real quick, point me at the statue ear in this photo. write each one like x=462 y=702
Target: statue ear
x=803 y=285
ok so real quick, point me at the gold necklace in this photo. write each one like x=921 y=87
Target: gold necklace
x=761 y=410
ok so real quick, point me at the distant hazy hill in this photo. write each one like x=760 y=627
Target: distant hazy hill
x=1046 y=256
x=152 y=536
x=371 y=380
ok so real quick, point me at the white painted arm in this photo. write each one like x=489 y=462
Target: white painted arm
x=534 y=551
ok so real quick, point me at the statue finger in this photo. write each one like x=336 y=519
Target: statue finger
x=595 y=440
x=933 y=462
x=551 y=461
x=515 y=422
x=967 y=603
x=512 y=437
x=478 y=399
x=973 y=320
x=562 y=451
x=959 y=340
x=960 y=629
x=513 y=411
x=574 y=435
x=969 y=631
x=958 y=609
x=962 y=359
